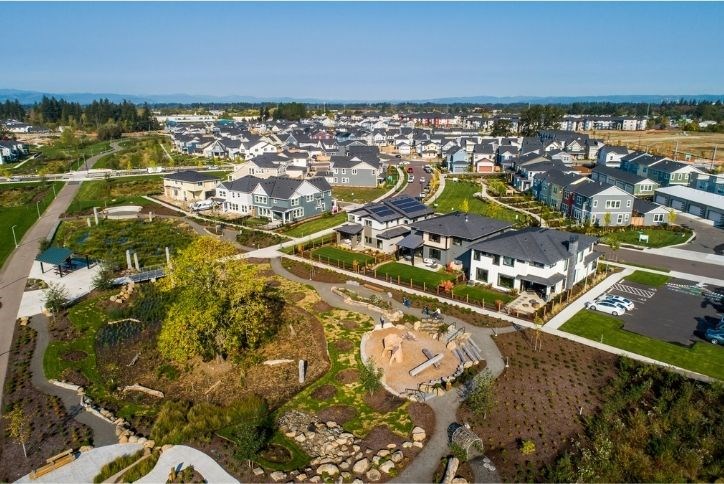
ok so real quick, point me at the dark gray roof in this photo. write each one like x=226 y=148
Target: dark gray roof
x=669 y=166
x=190 y=176
x=320 y=183
x=541 y=245
x=558 y=177
x=403 y=206
x=465 y=226
x=349 y=229
x=591 y=189
x=244 y=184
x=643 y=206
x=394 y=232
x=619 y=174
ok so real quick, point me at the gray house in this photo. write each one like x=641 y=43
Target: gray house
x=353 y=171
x=648 y=214
x=638 y=186
x=598 y=204
x=447 y=238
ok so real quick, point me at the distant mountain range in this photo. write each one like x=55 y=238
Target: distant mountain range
x=30 y=97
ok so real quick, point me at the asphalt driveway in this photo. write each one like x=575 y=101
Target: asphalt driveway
x=708 y=239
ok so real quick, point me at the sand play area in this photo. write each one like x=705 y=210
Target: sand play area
x=404 y=352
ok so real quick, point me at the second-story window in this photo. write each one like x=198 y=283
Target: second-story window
x=434 y=238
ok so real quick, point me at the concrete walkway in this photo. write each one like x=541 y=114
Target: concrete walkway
x=87 y=465
x=17 y=267
x=179 y=457
x=440 y=188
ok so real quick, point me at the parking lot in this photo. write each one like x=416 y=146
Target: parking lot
x=674 y=312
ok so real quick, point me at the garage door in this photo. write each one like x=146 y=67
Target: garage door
x=677 y=205
x=696 y=210
x=661 y=200
x=717 y=217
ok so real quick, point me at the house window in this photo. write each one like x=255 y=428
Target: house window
x=457 y=241
x=619 y=218
x=345 y=180
x=260 y=199
x=506 y=281
x=508 y=261
x=628 y=203
x=435 y=254
x=295 y=202
x=344 y=171
x=496 y=260
x=335 y=171
x=354 y=171
x=613 y=203
x=434 y=238
x=310 y=198
x=481 y=275
x=658 y=217
x=595 y=203
x=335 y=180
x=368 y=240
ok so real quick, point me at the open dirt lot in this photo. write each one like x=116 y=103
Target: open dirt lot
x=698 y=145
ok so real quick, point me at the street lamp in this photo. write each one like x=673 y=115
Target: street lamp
x=14 y=238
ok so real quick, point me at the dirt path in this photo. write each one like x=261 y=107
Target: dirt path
x=445 y=407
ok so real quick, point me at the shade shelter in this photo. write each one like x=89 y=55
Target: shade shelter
x=60 y=257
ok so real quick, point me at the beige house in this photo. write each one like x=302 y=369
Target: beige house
x=189 y=186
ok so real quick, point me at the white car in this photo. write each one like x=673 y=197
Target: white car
x=626 y=303
x=410 y=178
x=606 y=307
x=422 y=179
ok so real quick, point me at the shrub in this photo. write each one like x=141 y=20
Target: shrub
x=370 y=377
x=116 y=466
x=141 y=469
x=527 y=447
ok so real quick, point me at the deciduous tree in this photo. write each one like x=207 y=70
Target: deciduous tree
x=18 y=427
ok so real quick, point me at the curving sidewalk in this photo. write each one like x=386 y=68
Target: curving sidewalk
x=181 y=456
x=484 y=194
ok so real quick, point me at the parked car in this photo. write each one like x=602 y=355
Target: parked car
x=410 y=178
x=714 y=336
x=422 y=179
x=427 y=169
x=627 y=303
x=409 y=169
x=398 y=156
x=202 y=205
x=606 y=307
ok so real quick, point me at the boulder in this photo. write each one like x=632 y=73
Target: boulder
x=391 y=446
x=344 y=465
x=300 y=438
x=133 y=439
x=277 y=476
x=123 y=439
x=345 y=476
x=407 y=444
x=331 y=424
x=358 y=481
x=166 y=447
x=258 y=471
x=361 y=466
x=291 y=435
x=142 y=440
x=419 y=445
x=373 y=475
x=315 y=479
x=85 y=448
x=301 y=477
x=459 y=480
x=376 y=460
x=397 y=456
x=387 y=466
x=418 y=434
x=149 y=444
x=328 y=469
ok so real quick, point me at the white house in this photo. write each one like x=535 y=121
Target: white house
x=544 y=260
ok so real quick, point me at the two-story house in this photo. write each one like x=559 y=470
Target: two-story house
x=447 y=238
x=549 y=187
x=667 y=172
x=598 y=204
x=382 y=225
x=544 y=260
x=637 y=186
x=708 y=183
x=354 y=171
x=610 y=156
x=279 y=199
x=189 y=186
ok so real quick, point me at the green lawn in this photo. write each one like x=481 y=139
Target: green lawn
x=312 y=226
x=19 y=207
x=657 y=237
x=480 y=293
x=115 y=191
x=58 y=159
x=359 y=195
x=418 y=276
x=136 y=153
x=701 y=357
x=334 y=254
x=455 y=193
x=648 y=278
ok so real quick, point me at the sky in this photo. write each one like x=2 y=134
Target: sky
x=364 y=51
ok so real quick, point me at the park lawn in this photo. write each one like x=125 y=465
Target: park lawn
x=315 y=225
x=405 y=272
x=648 y=278
x=351 y=394
x=359 y=194
x=19 y=207
x=481 y=294
x=701 y=357
x=116 y=191
x=334 y=254
x=657 y=237
x=135 y=153
x=455 y=193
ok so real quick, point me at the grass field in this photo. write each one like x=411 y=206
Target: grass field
x=481 y=294
x=312 y=226
x=19 y=207
x=657 y=237
x=115 y=191
x=334 y=254
x=56 y=158
x=357 y=194
x=648 y=278
x=697 y=144
x=701 y=357
x=136 y=153
x=455 y=193
x=418 y=276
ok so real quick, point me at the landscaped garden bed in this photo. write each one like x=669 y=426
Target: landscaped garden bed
x=657 y=236
x=455 y=193
x=318 y=224
x=255 y=239
x=116 y=191
x=342 y=258
x=407 y=275
x=648 y=278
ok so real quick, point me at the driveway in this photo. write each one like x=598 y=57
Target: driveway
x=708 y=239
x=639 y=257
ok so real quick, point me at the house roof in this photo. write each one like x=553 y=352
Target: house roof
x=594 y=188
x=622 y=175
x=670 y=166
x=349 y=229
x=403 y=206
x=559 y=177
x=465 y=226
x=693 y=195
x=643 y=206
x=394 y=232
x=541 y=245
x=190 y=176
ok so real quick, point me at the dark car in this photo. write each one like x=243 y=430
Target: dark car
x=398 y=156
x=410 y=170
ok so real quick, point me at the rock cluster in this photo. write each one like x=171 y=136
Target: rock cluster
x=124 y=295
x=339 y=454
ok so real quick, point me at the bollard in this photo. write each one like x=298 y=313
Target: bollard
x=128 y=258
x=95 y=214
x=168 y=257
x=135 y=259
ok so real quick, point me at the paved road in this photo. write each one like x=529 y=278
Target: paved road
x=17 y=266
x=708 y=239
x=659 y=261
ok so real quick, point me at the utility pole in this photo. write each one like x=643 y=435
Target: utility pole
x=713 y=158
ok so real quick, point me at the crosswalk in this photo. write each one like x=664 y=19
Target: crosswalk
x=634 y=291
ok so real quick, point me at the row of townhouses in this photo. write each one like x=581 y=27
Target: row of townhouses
x=11 y=150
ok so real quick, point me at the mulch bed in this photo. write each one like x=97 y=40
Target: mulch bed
x=348 y=376
x=52 y=429
x=349 y=324
x=300 y=269
x=538 y=398
x=75 y=355
x=379 y=437
x=321 y=307
x=382 y=401
x=337 y=413
x=423 y=416
x=343 y=345
x=325 y=392
x=74 y=376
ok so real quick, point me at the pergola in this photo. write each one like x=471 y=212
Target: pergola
x=60 y=257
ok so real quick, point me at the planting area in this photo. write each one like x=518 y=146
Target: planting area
x=480 y=294
x=538 y=399
x=257 y=238
x=52 y=430
x=19 y=205
x=407 y=274
x=312 y=226
x=59 y=158
x=648 y=278
x=116 y=191
x=111 y=238
x=337 y=256
x=455 y=193
x=360 y=194
x=137 y=153
x=658 y=237
x=553 y=218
